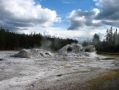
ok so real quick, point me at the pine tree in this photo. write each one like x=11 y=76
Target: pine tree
x=96 y=39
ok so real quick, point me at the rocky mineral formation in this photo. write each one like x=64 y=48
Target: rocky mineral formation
x=29 y=53
x=71 y=48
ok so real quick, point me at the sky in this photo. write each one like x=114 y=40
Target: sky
x=77 y=19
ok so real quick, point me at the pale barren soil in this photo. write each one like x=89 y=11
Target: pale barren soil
x=58 y=72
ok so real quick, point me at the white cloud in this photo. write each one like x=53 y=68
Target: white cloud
x=85 y=33
x=79 y=18
x=26 y=16
x=109 y=12
x=25 y=13
x=105 y=14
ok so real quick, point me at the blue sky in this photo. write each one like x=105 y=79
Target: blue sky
x=79 y=19
x=64 y=7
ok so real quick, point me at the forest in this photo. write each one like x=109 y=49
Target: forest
x=109 y=44
x=14 y=41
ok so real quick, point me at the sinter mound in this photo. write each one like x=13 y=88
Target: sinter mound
x=72 y=50
x=29 y=53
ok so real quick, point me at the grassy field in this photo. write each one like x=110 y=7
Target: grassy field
x=108 y=81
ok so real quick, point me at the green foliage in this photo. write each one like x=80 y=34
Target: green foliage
x=110 y=43
x=14 y=41
x=96 y=39
x=87 y=43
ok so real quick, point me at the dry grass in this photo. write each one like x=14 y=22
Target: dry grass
x=108 y=81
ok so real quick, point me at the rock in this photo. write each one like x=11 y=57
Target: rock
x=71 y=48
x=75 y=50
x=89 y=48
x=29 y=53
x=41 y=53
x=23 y=54
x=86 y=54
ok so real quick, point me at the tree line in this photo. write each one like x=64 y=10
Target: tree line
x=109 y=44
x=15 y=41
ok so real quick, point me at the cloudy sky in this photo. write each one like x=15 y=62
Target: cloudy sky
x=62 y=18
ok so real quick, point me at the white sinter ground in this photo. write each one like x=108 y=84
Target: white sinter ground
x=41 y=69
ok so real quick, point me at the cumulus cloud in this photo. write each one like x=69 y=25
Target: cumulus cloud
x=109 y=12
x=80 y=35
x=106 y=13
x=109 y=9
x=79 y=18
x=26 y=16
x=18 y=14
